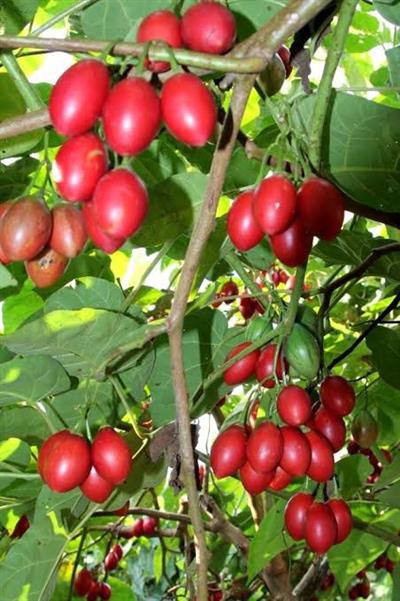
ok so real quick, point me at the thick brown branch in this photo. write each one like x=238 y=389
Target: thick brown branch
x=24 y=123
x=224 y=527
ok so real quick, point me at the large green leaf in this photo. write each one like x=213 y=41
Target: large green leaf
x=350 y=248
x=17 y=308
x=390 y=11
x=23 y=422
x=361 y=149
x=15 y=178
x=257 y=12
x=15 y=14
x=385 y=346
x=115 y=19
x=89 y=292
x=393 y=56
x=31 y=379
x=352 y=473
x=269 y=540
x=83 y=341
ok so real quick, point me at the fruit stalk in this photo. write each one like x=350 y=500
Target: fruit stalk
x=31 y=97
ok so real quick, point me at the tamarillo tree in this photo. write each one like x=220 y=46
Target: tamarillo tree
x=200 y=277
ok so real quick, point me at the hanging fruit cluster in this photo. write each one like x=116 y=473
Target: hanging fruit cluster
x=86 y=585
x=289 y=218
x=66 y=460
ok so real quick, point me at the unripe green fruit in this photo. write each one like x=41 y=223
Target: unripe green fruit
x=258 y=327
x=302 y=352
x=364 y=429
x=273 y=76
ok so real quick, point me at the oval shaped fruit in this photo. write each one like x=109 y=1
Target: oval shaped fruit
x=284 y=53
x=244 y=368
x=135 y=529
x=120 y=203
x=280 y=480
x=95 y=487
x=321 y=529
x=274 y=204
x=228 y=452
x=99 y=238
x=322 y=466
x=296 y=454
x=149 y=525
x=46 y=268
x=20 y=527
x=265 y=447
x=68 y=236
x=188 y=109
x=105 y=591
x=4 y=206
x=111 y=456
x=131 y=116
x=273 y=76
x=294 y=405
x=344 y=519
x=82 y=582
x=94 y=591
x=160 y=25
x=293 y=245
x=364 y=429
x=228 y=290
x=331 y=426
x=302 y=352
x=337 y=395
x=265 y=366
x=258 y=326
x=320 y=208
x=208 y=27
x=242 y=228
x=247 y=307
x=254 y=482
x=296 y=513
x=78 y=97
x=111 y=561
x=78 y=166
x=64 y=461
x=117 y=549
x=25 y=229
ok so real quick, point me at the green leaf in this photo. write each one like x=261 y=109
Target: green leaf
x=115 y=19
x=360 y=43
x=15 y=14
x=385 y=346
x=390 y=12
x=257 y=12
x=269 y=540
x=159 y=162
x=15 y=178
x=365 y=22
x=350 y=248
x=173 y=207
x=393 y=57
x=361 y=149
x=89 y=292
x=352 y=473
x=83 y=341
x=6 y=278
x=23 y=422
x=30 y=379
x=259 y=257
x=391 y=496
x=17 y=308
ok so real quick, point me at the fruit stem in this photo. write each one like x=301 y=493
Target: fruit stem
x=30 y=95
x=121 y=393
x=76 y=563
x=294 y=300
x=142 y=59
x=324 y=94
x=233 y=260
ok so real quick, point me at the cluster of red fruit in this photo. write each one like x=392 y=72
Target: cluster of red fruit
x=66 y=460
x=353 y=448
x=113 y=558
x=86 y=585
x=247 y=305
x=289 y=218
x=360 y=589
x=261 y=364
x=322 y=525
x=143 y=527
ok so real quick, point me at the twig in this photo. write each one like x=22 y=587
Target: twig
x=62 y=15
x=310 y=579
x=30 y=95
x=325 y=86
x=15 y=126
x=220 y=524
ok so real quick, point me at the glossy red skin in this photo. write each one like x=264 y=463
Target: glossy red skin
x=243 y=369
x=122 y=510
x=274 y=204
x=149 y=526
x=188 y=109
x=131 y=116
x=344 y=520
x=208 y=27
x=265 y=447
x=96 y=488
x=364 y=589
x=242 y=228
x=135 y=529
x=111 y=561
x=284 y=53
x=83 y=582
x=100 y=239
x=64 y=462
x=20 y=527
x=120 y=203
x=247 y=307
x=280 y=480
x=47 y=268
x=105 y=591
x=3 y=209
x=293 y=245
x=321 y=467
x=227 y=290
x=296 y=454
x=25 y=229
x=94 y=591
x=78 y=166
x=337 y=395
x=78 y=97
x=265 y=366
x=296 y=513
x=111 y=456
x=161 y=25
x=228 y=453
x=294 y=405
x=254 y=482
x=68 y=236
x=390 y=565
x=320 y=208
x=321 y=529
x=331 y=426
